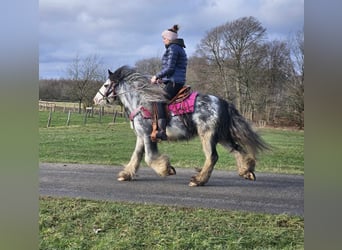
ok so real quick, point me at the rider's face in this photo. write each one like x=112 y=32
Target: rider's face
x=166 y=41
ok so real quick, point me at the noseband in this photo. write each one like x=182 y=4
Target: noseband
x=109 y=90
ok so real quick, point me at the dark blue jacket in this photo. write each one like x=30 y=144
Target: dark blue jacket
x=174 y=62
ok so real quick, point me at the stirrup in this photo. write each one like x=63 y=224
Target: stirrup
x=161 y=135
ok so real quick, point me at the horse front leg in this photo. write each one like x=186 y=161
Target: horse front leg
x=160 y=163
x=127 y=174
x=211 y=157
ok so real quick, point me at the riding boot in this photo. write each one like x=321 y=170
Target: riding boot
x=162 y=129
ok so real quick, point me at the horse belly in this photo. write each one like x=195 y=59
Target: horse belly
x=176 y=130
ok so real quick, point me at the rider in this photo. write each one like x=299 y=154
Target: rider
x=173 y=73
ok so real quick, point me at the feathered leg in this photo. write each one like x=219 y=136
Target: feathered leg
x=127 y=174
x=159 y=163
x=211 y=157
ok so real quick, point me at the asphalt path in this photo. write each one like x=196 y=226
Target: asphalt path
x=270 y=193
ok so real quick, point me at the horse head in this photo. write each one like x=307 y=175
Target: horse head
x=106 y=94
x=127 y=81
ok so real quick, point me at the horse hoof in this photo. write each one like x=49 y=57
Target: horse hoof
x=121 y=179
x=250 y=176
x=195 y=183
x=192 y=184
x=124 y=177
x=172 y=170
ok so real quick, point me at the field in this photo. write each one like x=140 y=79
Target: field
x=104 y=142
x=81 y=224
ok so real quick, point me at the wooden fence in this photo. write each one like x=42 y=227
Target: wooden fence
x=70 y=108
x=74 y=107
x=45 y=106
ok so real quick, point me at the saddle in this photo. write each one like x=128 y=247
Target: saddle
x=182 y=94
x=176 y=106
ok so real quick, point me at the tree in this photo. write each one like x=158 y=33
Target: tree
x=200 y=77
x=269 y=90
x=149 y=66
x=243 y=38
x=85 y=74
x=234 y=49
x=296 y=84
x=211 y=48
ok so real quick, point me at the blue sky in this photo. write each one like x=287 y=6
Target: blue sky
x=123 y=32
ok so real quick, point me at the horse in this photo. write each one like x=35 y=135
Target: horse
x=213 y=119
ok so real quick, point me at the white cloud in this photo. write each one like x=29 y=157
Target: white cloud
x=122 y=32
x=281 y=15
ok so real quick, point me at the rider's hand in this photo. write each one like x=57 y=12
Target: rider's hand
x=154 y=79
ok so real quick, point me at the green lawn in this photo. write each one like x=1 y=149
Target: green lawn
x=81 y=224
x=103 y=142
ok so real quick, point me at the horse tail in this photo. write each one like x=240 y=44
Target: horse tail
x=243 y=137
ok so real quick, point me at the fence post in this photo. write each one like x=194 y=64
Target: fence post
x=100 y=114
x=89 y=111
x=49 y=119
x=85 y=118
x=114 y=116
x=68 y=120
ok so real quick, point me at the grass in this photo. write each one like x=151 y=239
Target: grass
x=59 y=119
x=112 y=144
x=72 y=223
x=81 y=224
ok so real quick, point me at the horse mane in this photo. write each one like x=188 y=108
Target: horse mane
x=140 y=84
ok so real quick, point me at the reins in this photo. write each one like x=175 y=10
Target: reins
x=112 y=87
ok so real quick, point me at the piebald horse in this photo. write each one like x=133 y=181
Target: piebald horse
x=214 y=120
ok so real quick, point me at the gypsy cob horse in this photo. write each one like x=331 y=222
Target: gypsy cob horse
x=211 y=118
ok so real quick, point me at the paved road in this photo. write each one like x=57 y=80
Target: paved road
x=270 y=193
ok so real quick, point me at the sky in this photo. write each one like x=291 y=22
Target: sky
x=123 y=32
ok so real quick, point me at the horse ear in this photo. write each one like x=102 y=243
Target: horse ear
x=110 y=72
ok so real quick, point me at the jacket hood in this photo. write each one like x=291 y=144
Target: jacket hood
x=178 y=41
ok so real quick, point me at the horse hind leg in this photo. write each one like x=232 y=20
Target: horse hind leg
x=128 y=173
x=211 y=157
x=246 y=165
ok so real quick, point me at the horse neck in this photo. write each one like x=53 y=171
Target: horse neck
x=130 y=99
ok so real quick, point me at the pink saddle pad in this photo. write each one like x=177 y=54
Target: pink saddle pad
x=184 y=107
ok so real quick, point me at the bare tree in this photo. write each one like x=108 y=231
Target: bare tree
x=200 y=76
x=269 y=90
x=233 y=48
x=211 y=48
x=149 y=66
x=85 y=74
x=242 y=41
x=296 y=83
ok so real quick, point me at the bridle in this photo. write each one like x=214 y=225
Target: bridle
x=109 y=90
